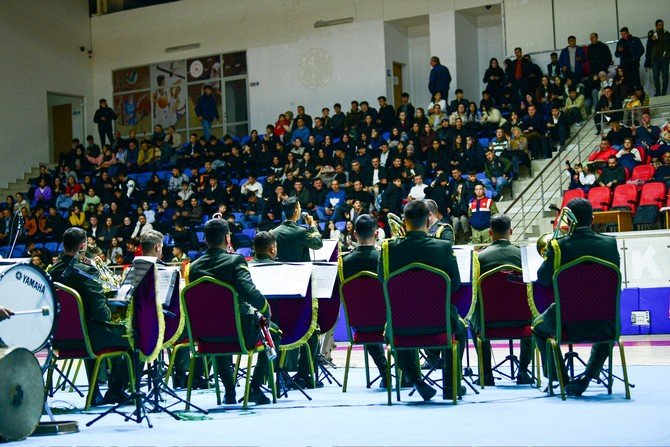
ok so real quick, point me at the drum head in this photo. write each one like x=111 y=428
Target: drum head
x=21 y=393
x=25 y=287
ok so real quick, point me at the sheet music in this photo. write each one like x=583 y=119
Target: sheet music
x=530 y=263
x=324 y=275
x=277 y=279
x=324 y=253
x=464 y=259
x=166 y=279
x=123 y=292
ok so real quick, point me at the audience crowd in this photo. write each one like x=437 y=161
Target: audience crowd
x=340 y=163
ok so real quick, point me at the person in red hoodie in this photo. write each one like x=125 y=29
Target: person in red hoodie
x=602 y=153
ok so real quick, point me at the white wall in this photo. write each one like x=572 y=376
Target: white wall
x=396 y=47
x=419 y=55
x=40 y=53
x=443 y=44
x=467 y=59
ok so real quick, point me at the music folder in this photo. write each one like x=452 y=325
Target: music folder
x=530 y=263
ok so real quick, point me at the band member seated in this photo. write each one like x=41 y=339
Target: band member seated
x=502 y=252
x=265 y=248
x=70 y=271
x=233 y=269
x=582 y=242
x=293 y=245
x=365 y=257
x=417 y=246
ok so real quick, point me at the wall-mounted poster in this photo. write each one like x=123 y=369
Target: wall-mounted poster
x=168 y=93
x=205 y=69
x=195 y=91
x=134 y=111
x=131 y=79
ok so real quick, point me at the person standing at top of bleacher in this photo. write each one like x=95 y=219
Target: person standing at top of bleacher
x=207 y=111
x=629 y=50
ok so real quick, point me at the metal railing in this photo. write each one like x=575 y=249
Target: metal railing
x=546 y=188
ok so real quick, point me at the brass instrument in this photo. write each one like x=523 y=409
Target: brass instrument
x=564 y=226
x=108 y=280
x=396 y=226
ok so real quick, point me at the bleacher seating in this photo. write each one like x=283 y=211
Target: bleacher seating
x=600 y=198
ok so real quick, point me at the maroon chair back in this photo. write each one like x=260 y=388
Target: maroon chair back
x=365 y=308
x=600 y=198
x=587 y=300
x=625 y=196
x=504 y=309
x=211 y=311
x=70 y=337
x=418 y=300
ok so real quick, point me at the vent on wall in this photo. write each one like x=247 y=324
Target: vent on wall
x=190 y=46
x=325 y=23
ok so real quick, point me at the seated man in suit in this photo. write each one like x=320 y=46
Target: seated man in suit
x=233 y=269
x=365 y=257
x=501 y=252
x=582 y=242
x=417 y=246
x=70 y=271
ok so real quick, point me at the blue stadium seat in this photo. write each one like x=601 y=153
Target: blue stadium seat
x=484 y=142
x=242 y=240
x=193 y=254
x=201 y=236
x=244 y=140
x=322 y=226
x=244 y=251
x=386 y=135
x=238 y=216
x=262 y=179
x=167 y=239
x=51 y=246
x=340 y=225
x=251 y=232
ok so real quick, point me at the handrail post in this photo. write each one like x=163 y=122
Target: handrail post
x=542 y=189
x=523 y=217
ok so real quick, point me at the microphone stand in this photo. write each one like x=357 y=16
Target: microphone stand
x=17 y=214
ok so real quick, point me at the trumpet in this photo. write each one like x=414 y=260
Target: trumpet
x=564 y=226
x=396 y=225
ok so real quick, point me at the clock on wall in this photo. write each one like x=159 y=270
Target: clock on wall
x=315 y=68
x=196 y=69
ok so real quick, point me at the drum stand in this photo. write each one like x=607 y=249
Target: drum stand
x=52 y=426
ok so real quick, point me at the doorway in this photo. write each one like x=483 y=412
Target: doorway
x=66 y=122
x=397 y=82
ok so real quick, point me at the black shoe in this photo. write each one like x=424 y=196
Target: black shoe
x=524 y=379
x=425 y=391
x=179 y=381
x=461 y=391
x=229 y=397
x=115 y=397
x=200 y=383
x=306 y=383
x=406 y=382
x=257 y=396
x=577 y=386
x=97 y=400
x=432 y=363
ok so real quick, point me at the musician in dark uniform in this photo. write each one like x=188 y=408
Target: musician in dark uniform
x=233 y=269
x=438 y=229
x=265 y=248
x=293 y=245
x=294 y=241
x=501 y=252
x=70 y=271
x=437 y=226
x=417 y=246
x=582 y=242
x=365 y=257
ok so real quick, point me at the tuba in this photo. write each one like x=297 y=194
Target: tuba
x=564 y=226
x=108 y=280
x=396 y=226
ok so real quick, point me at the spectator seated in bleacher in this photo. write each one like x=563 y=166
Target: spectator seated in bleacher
x=602 y=153
x=580 y=177
x=613 y=174
x=498 y=172
x=662 y=173
x=645 y=133
x=618 y=133
x=629 y=156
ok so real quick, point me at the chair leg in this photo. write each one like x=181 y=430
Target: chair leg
x=444 y=374
x=538 y=363
x=625 y=369
x=282 y=358
x=131 y=375
x=189 y=384
x=206 y=370
x=610 y=383
x=76 y=373
x=310 y=362
x=556 y=350
x=272 y=382
x=346 y=368
x=398 y=381
x=247 y=381
x=550 y=364
x=455 y=374
x=480 y=362
x=217 y=387
x=367 y=367
x=237 y=367
x=92 y=386
x=388 y=374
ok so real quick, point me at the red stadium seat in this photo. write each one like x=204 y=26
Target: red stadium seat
x=600 y=198
x=643 y=155
x=653 y=194
x=625 y=196
x=572 y=194
x=643 y=172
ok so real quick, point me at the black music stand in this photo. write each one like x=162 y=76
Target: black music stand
x=141 y=280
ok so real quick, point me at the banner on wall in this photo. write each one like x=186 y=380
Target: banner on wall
x=134 y=111
x=131 y=79
x=168 y=94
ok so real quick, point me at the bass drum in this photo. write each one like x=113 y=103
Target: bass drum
x=25 y=287
x=21 y=393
